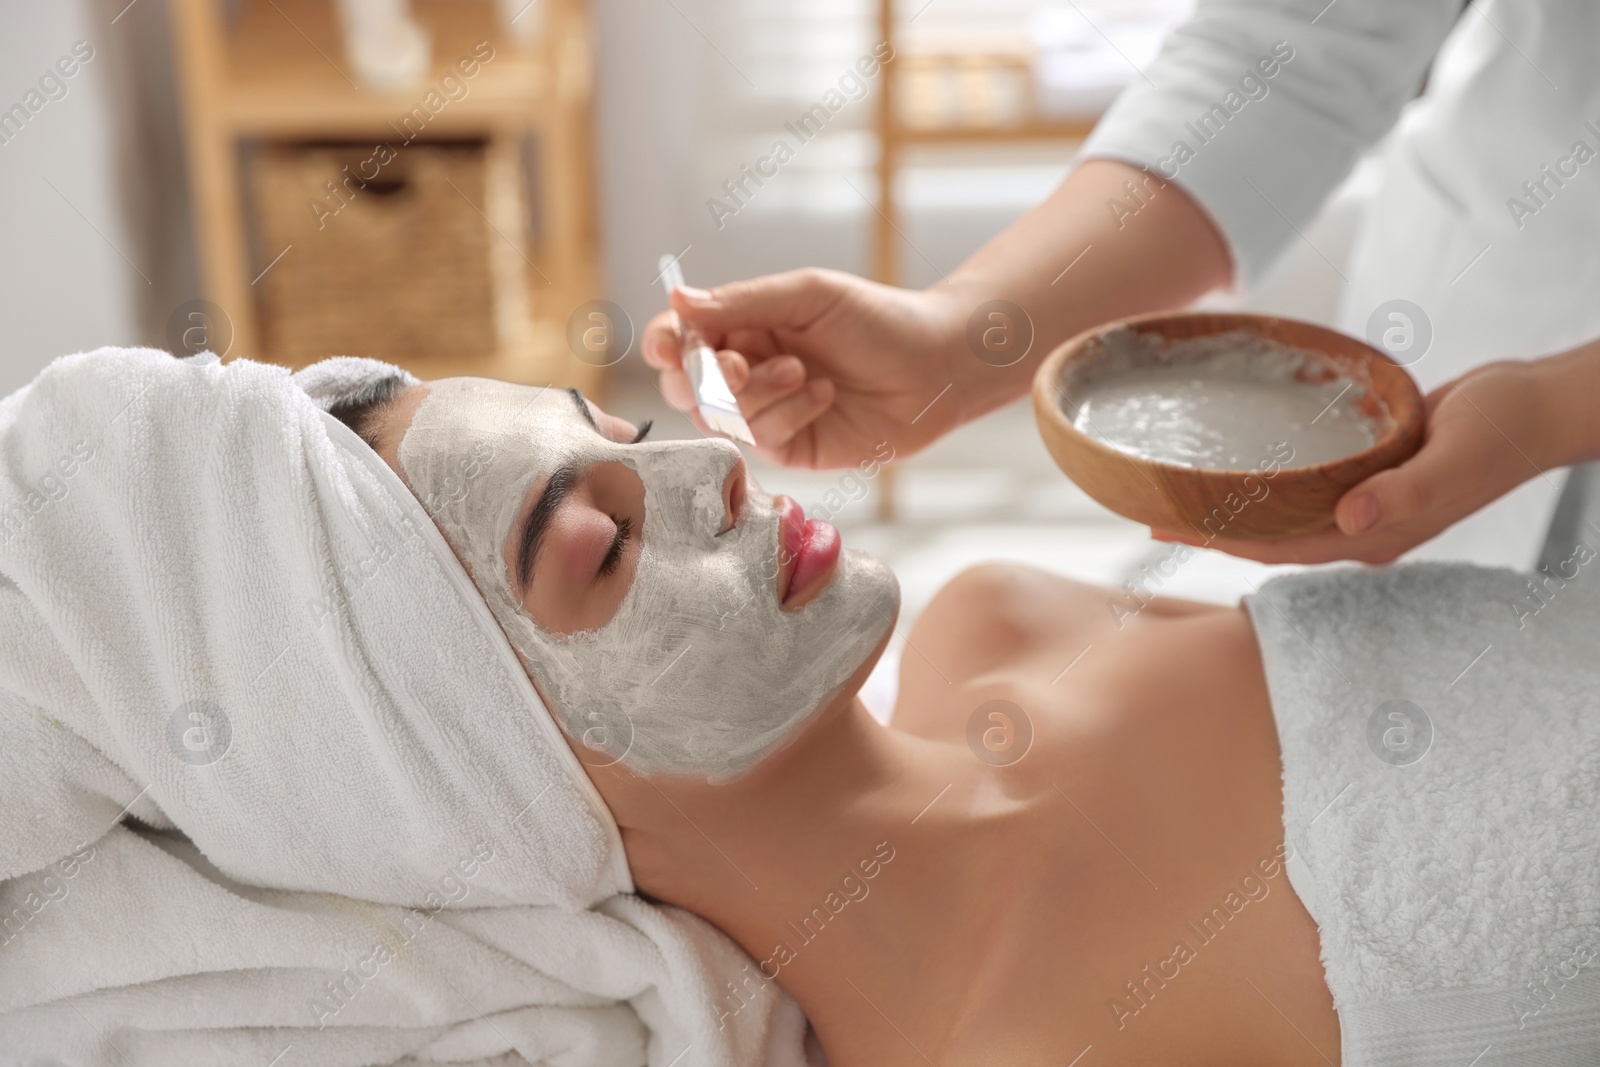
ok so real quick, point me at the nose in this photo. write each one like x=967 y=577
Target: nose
x=708 y=475
x=733 y=494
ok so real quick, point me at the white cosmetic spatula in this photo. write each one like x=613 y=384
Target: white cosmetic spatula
x=712 y=396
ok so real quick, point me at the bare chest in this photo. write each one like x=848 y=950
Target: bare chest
x=1146 y=914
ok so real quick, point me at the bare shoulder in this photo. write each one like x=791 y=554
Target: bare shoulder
x=1009 y=619
x=1003 y=611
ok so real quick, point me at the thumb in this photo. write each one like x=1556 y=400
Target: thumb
x=1399 y=494
x=775 y=301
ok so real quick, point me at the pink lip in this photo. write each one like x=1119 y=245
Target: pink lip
x=809 y=548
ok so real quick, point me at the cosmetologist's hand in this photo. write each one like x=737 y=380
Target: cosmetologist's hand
x=1487 y=433
x=826 y=366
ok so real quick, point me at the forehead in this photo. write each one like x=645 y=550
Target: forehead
x=492 y=404
x=483 y=407
x=450 y=415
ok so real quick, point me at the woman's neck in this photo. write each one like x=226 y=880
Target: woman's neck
x=846 y=857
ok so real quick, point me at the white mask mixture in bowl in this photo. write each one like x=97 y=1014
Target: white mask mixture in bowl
x=1219 y=402
x=1230 y=425
x=700 y=671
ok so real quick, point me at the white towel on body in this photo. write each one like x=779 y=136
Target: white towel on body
x=1440 y=727
x=360 y=837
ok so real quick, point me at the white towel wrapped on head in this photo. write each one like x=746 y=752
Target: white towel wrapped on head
x=360 y=835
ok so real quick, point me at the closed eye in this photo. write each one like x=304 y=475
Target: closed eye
x=608 y=566
x=557 y=489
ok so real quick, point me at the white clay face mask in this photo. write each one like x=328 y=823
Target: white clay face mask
x=1219 y=402
x=699 y=672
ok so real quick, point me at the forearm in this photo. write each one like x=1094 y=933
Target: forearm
x=1079 y=259
x=1567 y=386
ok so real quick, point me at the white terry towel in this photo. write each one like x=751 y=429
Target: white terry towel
x=1440 y=728
x=360 y=837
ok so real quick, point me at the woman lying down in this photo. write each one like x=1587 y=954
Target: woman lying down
x=282 y=786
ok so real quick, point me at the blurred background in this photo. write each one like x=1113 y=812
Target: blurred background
x=485 y=186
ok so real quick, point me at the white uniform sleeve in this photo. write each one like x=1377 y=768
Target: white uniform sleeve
x=1258 y=112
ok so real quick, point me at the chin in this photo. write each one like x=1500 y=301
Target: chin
x=844 y=696
x=865 y=584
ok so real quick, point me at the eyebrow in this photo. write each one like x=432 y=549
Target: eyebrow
x=555 y=491
x=583 y=408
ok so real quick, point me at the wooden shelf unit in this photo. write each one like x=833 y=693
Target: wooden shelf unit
x=898 y=129
x=993 y=93
x=897 y=133
x=277 y=71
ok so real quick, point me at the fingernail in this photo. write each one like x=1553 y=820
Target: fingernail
x=786 y=371
x=1363 y=513
x=701 y=297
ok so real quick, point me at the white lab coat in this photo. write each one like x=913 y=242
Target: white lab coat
x=1501 y=268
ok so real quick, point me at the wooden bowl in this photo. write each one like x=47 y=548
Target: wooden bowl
x=1268 y=502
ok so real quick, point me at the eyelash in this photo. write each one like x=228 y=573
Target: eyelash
x=608 y=565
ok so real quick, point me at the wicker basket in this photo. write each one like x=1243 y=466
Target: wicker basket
x=394 y=267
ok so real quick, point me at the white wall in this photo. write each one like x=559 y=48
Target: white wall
x=64 y=285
